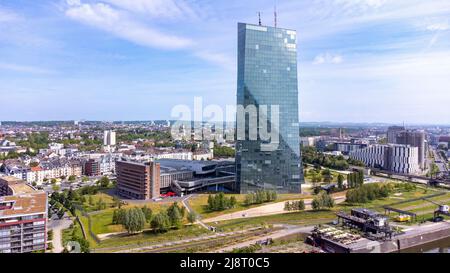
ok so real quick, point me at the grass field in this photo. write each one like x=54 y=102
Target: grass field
x=102 y=220
x=199 y=203
x=147 y=237
x=325 y=216
x=308 y=176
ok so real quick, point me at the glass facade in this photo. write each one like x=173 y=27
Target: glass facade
x=267 y=75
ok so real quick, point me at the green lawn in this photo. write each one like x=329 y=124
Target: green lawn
x=295 y=218
x=199 y=203
x=317 y=217
x=148 y=237
x=102 y=220
x=334 y=174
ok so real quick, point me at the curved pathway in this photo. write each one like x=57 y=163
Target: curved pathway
x=265 y=210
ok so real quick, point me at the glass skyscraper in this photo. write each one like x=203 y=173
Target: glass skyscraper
x=267 y=76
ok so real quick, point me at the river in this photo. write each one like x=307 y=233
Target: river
x=441 y=246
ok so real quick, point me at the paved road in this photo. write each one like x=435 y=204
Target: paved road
x=58 y=226
x=190 y=209
x=265 y=210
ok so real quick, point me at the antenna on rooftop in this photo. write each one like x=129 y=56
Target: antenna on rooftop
x=259 y=17
x=275 y=15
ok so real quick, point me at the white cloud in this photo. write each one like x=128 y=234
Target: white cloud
x=8 y=16
x=328 y=58
x=156 y=8
x=438 y=27
x=119 y=23
x=24 y=68
x=221 y=59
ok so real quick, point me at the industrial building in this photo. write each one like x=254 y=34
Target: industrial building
x=23 y=217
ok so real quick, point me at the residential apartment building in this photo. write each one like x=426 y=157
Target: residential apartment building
x=46 y=170
x=109 y=138
x=23 y=217
x=392 y=157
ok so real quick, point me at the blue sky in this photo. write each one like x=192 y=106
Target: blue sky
x=359 y=60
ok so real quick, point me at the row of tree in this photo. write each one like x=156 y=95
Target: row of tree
x=310 y=155
x=259 y=197
x=355 y=179
x=220 y=202
x=134 y=219
x=368 y=192
x=294 y=205
x=322 y=201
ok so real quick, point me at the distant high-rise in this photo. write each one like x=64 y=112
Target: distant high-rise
x=392 y=133
x=109 y=138
x=267 y=76
x=399 y=135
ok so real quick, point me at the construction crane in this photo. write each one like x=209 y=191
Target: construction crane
x=442 y=210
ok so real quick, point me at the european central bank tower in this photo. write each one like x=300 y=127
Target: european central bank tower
x=267 y=77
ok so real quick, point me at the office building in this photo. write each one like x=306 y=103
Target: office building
x=399 y=135
x=138 y=180
x=392 y=133
x=23 y=217
x=267 y=76
x=392 y=157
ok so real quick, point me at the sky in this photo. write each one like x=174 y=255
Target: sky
x=358 y=60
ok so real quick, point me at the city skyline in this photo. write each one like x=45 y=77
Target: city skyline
x=359 y=61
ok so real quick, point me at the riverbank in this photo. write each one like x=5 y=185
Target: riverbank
x=413 y=236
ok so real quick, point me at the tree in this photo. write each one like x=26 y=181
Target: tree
x=119 y=217
x=233 y=202
x=287 y=206
x=104 y=182
x=316 y=204
x=34 y=164
x=53 y=181
x=340 y=181
x=175 y=216
x=161 y=222
x=301 y=205
x=147 y=213
x=134 y=220
x=72 y=178
x=323 y=200
x=210 y=202
x=249 y=199
x=192 y=217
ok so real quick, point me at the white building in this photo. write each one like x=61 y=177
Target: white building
x=308 y=141
x=109 y=138
x=393 y=157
